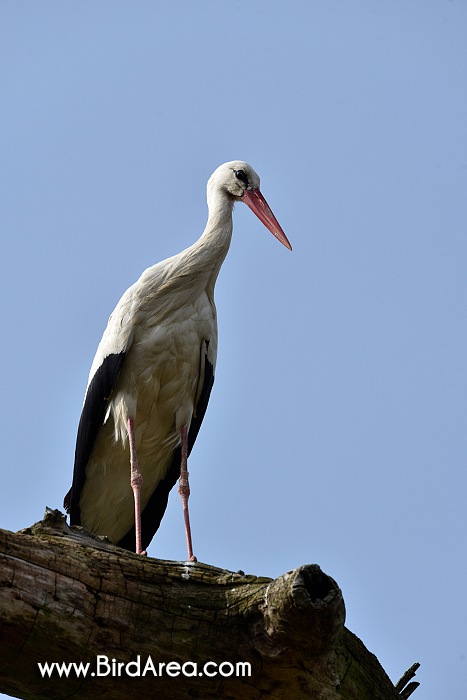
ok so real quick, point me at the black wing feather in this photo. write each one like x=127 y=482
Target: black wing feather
x=155 y=508
x=92 y=418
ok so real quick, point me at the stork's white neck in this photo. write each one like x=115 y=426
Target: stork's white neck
x=196 y=268
x=213 y=245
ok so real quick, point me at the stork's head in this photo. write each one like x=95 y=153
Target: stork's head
x=241 y=182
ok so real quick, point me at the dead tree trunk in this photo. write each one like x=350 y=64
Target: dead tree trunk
x=170 y=629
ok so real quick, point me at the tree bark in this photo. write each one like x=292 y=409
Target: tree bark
x=69 y=597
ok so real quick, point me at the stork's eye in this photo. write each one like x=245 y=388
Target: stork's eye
x=241 y=175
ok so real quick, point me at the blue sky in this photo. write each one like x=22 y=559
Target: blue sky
x=336 y=428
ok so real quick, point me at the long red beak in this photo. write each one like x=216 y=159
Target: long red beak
x=255 y=200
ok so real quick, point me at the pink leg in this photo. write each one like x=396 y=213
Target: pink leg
x=184 y=491
x=136 y=481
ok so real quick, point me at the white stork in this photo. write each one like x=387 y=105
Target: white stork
x=151 y=378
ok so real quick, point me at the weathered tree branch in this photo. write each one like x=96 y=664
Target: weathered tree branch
x=66 y=596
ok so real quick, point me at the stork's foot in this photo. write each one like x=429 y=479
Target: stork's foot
x=184 y=491
x=136 y=480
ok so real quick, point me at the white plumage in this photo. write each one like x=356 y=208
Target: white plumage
x=152 y=375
